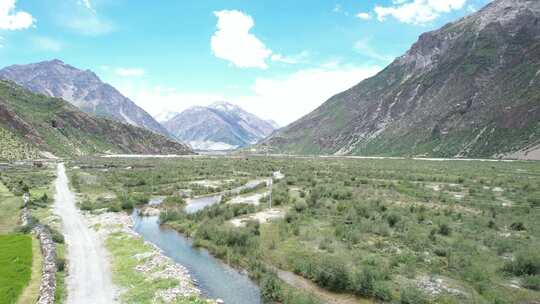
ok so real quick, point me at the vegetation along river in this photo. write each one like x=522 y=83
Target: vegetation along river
x=215 y=279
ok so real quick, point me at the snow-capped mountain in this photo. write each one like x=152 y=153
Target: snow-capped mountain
x=220 y=126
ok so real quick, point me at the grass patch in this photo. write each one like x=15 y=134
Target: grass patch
x=10 y=206
x=60 y=292
x=31 y=292
x=15 y=266
x=139 y=288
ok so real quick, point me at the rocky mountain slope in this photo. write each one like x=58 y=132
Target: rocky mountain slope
x=221 y=126
x=33 y=125
x=83 y=89
x=469 y=89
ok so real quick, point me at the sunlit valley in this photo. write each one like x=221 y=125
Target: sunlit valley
x=247 y=158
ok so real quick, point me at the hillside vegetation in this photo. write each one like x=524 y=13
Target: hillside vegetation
x=82 y=88
x=31 y=122
x=469 y=89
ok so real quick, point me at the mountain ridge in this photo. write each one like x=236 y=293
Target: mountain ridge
x=220 y=126
x=34 y=125
x=82 y=88
x=465 y=90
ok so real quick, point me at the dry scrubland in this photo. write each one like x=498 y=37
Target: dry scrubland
x=406 y=231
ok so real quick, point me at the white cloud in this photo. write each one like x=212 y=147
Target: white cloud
x=89 y=24
x=363 y=46
x=471 y=9
x=47 y=44
x=82 y=17
x=158 y=100
x=10 y=19
x=129 y=72
x=286 y=99
x=417 y=11
x=294 y=59
x=338 y=9
x=283 y=99
x=233 y=42
x=87 y=4
x=364 y=16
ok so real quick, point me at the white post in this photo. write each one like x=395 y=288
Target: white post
x=271 y=182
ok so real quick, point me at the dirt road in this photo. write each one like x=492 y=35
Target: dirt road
x=89 y=280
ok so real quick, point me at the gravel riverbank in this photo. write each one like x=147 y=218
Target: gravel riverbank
x=150 y=262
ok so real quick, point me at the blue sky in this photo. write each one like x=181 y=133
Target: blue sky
x=279 y=59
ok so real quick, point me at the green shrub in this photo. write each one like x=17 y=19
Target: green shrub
x=86 y=205
x=381 y=291
x=444 y=229
x=114 y=208
x=300 y=206
x=332 y=274
x=26 y=229
x=365 y=282
x=174 y=200
x=532 y=282
x=295 y=297
x=127 y=205
x=534 y=201
x=60 y=264
x=412 y=295
x=280 y=196
x=393 y=219
x=517 y=226
x=441 y=252
x=526 y=262
x=57 y=236
x=271 y=289
x=370 y=282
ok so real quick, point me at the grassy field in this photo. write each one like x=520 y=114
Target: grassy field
x=14 y=182
x=15 y=266
x=60 y=292
x=30 y=294
x=11 y=207
x=407 y=231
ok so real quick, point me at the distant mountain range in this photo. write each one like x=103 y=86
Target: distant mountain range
x=83 y=89
x=221 y=126
x=469 y=89
x=33 y=125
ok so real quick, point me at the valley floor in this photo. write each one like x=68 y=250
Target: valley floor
x=338 y=230
x=346 y=229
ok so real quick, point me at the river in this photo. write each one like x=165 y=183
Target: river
x=215 y=279
x=197 y=204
